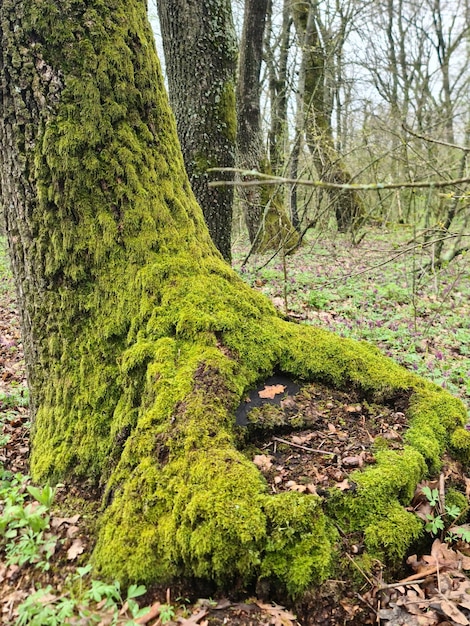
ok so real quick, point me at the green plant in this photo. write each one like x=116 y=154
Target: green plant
x=23 y=525
x=99 y=603
x=317 y=299
x=167 y=613
x=444 y=523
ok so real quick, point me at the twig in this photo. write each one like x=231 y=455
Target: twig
x=408 y=584
x=297 y=445
x=265 y=179
x=436 y=141
x=368 y=604
x=360 y=569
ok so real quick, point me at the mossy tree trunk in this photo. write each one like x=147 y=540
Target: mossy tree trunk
x=266 y=219
x=201 y=56
x=141 y=341
x=329 y=164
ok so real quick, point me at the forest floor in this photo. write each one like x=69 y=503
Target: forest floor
x=371 y=292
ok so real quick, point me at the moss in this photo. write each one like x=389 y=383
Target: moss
x=277 y=231
x=376 y=506
x=455 y=498
x=390 y=537
x=300 y=549
x=434 y=416
x=460 y=443
x=267 y=417
x=227 y=110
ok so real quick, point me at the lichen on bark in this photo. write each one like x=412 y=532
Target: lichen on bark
x=142 y=339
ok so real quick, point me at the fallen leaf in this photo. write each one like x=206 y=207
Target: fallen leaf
x=353 y=408
x=75 y=549
x=153 y=612
x=270 y=391
x=71 y=531
x=194 y=619
x=263 y=462
x=449 y=609
x=280 y=617
x=352 y=461
x=58 y=521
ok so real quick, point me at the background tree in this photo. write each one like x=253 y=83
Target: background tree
x=201 y=55
x=316 y=45
x=268 y=224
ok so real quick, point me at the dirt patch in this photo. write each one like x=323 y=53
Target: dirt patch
x=318 y=436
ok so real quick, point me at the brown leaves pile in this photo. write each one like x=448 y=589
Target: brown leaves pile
x=437 y=593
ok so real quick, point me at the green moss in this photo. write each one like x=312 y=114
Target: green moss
x=227 y=110
x=390 y=537
x=300 y=548
x=455 y=498
x=267 y=417
x=376 y=506
x=460 y=443
x=434 y=416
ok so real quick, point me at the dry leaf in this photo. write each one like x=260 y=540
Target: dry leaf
x=288 y=403
x=263 y=462
x=71 y=531
x=343 y=485
x=58 y=521
x=194 y=619
x=353 y=408
x=153 y=612
x=75 y=549
x=280 y=617
x=352 y=461
x=449 y=609
x=270 y=391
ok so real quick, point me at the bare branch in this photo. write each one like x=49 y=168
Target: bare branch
x=267 y=179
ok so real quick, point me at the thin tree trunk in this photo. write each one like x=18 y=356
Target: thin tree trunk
x=200 y=53
x=318 y=133
x=267 y=222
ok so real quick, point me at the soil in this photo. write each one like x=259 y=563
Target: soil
x=312 y=438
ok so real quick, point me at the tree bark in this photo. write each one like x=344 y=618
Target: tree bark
x=201 y=55
x=317 y=112
x=268 y=224
x=141 y=341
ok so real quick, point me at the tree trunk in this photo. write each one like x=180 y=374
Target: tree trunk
x=317 y=109
x=141 y=341
x=278 y=79
x=266 y=219
x=201 y=55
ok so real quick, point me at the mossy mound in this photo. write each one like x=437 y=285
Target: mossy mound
x=208 y=512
